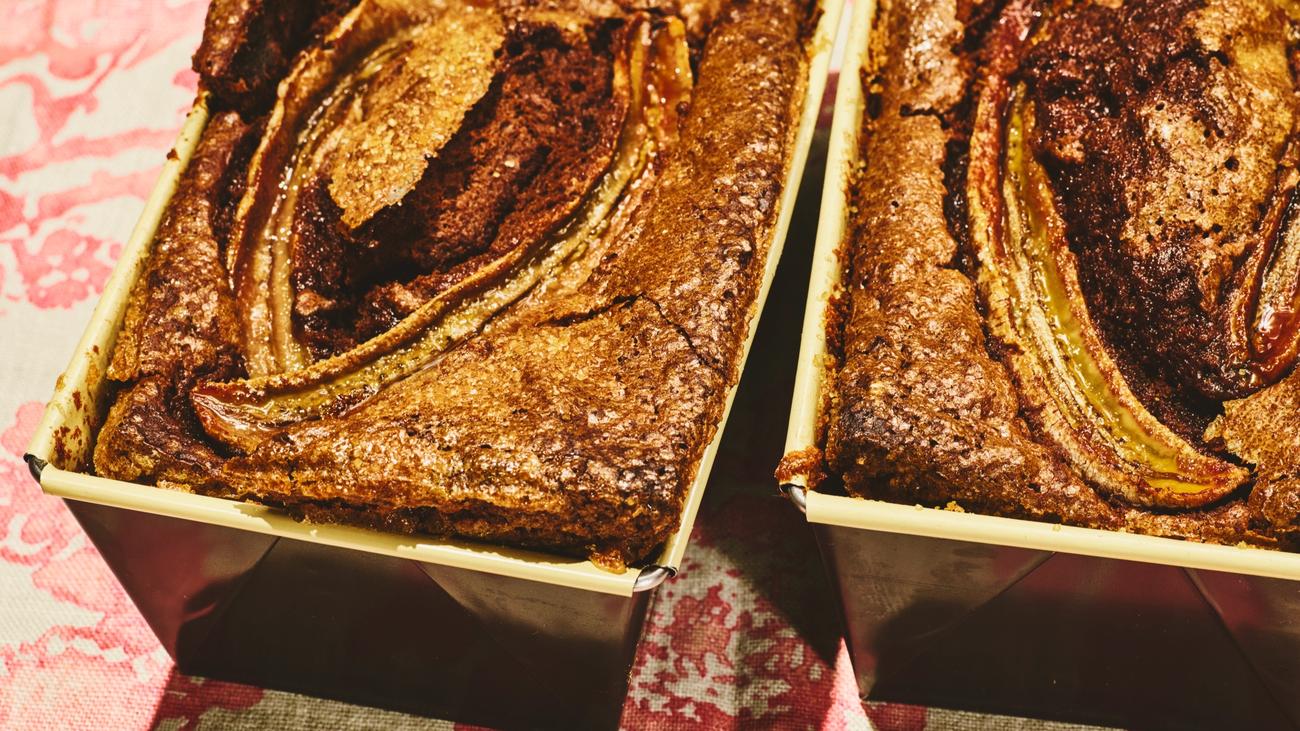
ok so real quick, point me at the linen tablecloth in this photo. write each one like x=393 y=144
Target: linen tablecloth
x=92 y=93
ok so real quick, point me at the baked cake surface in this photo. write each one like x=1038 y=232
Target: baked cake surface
x=1072 y=275
x=482 y=270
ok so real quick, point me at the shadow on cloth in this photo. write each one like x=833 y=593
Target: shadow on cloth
x=765 y=538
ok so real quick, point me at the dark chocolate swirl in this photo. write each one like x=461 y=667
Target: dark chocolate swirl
x=420 y=172
x=1130 y=195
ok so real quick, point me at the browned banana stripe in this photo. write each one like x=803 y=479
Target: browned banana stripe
x=650 y=76
x=1197 y=293
x=386 y=66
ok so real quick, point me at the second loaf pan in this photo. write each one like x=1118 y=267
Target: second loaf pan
x=1015 y=616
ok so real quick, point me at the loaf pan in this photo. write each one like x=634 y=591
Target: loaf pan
x=1014 y=616
x=462 y=630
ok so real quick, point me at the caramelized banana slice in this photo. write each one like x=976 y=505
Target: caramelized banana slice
x=1066 y=377
x=650 y=79
x=386 y=90
x=1264 y=312
x=424 y=81
x=1276 y=336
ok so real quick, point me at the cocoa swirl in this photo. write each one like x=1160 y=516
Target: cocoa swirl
x=420 y=172
x=1130 y=199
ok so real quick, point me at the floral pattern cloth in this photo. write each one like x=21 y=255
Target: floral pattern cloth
x=92 y=93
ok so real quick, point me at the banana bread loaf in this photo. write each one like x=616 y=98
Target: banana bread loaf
x=1072 y=284
x=475 y=269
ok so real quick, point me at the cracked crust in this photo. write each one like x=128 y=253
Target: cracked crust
x=924 y=408
x=576 y=419
x=574 y=434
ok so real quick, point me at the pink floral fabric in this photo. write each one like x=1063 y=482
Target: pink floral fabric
x=91 y=95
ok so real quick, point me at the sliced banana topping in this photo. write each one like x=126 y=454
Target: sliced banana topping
x=1068 y=381
x=650 y=80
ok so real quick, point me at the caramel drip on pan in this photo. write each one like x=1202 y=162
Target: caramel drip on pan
x=651 y=76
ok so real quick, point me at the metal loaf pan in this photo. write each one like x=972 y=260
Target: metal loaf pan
x=996 y=614
x=462 y=630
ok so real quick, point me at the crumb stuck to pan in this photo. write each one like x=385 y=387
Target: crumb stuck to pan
x=468 y=269
x=1073 y=267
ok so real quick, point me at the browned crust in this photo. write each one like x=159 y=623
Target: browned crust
x=1265 y=429
x=704 y=240
x=922 y=409
x=180 y=315
x=591 y=433
x=577 y=420
x=805 y=463
x=249 y=45
x=179 y=326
